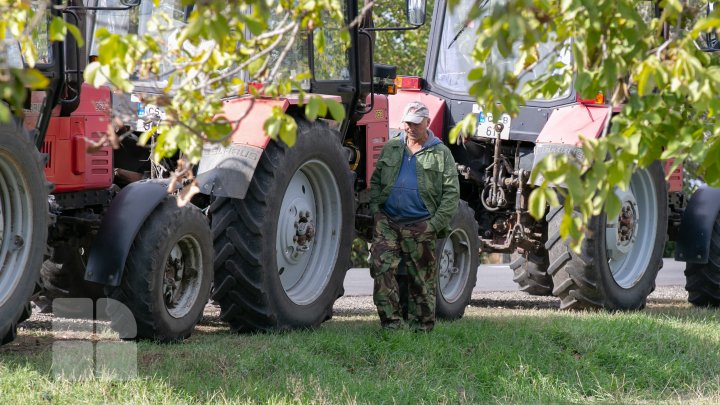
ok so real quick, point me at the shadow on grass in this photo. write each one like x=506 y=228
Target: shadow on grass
x=512 y=303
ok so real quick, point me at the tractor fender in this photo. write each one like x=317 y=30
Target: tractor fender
x=693 y=241
x=226 y=171
x=127 y=213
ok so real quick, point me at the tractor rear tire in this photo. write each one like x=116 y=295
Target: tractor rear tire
x=457 y=256
x=24 y=220
x=66 y=279
x=616 y=268
x=270 y=272
x=168 y=275
x=703 y=279
x=530 y=272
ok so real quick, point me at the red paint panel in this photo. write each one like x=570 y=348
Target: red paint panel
x=436 y=105
x=376 y=136
x=94 y=101
x=250 y=130
x=70 y=166
x=566 y=124
x=78 y=148
x=294 y=99
x=675 y=180
x=379 y=112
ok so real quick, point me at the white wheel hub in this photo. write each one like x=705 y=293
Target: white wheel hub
x=308 y=232
x=621 y=231
x=630 y=237
x=454 y=265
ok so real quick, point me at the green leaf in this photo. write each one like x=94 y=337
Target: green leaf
x=538 y=204
x=582 y=81
x=288 y=131
x=32 y=78
x=337 y=110
x=58 y=29
x=145 y=137
x=575 y=187
x=5 y=114
x=272 y=125
x=476 y=74
x=612 y=205
x=75 y=32
x=319 y=41
x=454 y=134
x=643 y=79
x=255 y=26
x=312 y=107
x=255 y=65
x=93 y=76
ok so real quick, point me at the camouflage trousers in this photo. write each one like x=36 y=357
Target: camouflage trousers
x=414 y=245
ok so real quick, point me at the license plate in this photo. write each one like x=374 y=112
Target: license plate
x=486 y=124
x=149 y=115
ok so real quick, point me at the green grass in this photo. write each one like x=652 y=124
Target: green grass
x=668 y=354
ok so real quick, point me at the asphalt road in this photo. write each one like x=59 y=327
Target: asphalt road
x=499 y=278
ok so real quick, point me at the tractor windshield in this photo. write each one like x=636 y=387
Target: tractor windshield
x=295 y=60
x=132 y=21
x=457 y=41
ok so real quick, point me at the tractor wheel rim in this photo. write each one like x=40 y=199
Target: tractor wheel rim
x=308 y=234
x=454 y=265
x=183 y=275
x=16 y=227
x=630 y=237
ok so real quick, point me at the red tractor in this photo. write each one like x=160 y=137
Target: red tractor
x=619 y=258
x=282 y=218
x=104 y=223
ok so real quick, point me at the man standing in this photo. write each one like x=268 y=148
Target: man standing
x=413 y=196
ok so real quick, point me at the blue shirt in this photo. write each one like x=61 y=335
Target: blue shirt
x=404 y=202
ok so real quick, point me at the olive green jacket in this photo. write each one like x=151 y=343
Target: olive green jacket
x=437 y=180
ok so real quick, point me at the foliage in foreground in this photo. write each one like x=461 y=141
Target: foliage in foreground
x=664 y=86
x=489 y=356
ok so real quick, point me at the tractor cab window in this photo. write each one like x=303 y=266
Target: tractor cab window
x=134 y=20
x=11 y=54
x=457 y=42
x=333 y=62
x=296 y=60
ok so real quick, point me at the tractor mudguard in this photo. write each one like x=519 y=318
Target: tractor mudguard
x=227 y=171
x=127 y=213
x=693 y=241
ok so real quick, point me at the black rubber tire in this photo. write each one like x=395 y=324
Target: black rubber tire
x=703 y=279
x=585 y=280
x=453 y=306
x=530 y=272
x=142 y=286
x=247 y=281
x=65 y=278
x=23 y=195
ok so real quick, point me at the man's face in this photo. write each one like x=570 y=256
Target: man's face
x=416 y=131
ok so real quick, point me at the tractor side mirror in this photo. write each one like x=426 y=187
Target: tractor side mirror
x=130 y=3
x=415 y=10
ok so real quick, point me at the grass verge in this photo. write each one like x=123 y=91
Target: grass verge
x=668 y=354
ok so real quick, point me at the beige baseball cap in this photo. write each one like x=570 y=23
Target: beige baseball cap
x=414 y=112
